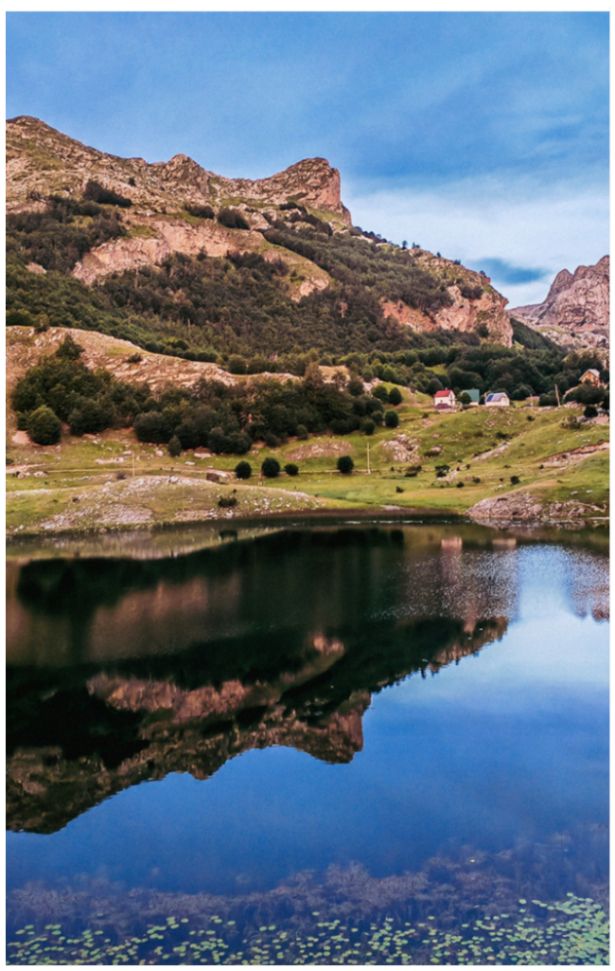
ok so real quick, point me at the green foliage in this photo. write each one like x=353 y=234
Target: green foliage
x=270 y=468
x=174 y=447
x=243 y=470
x=368 y=426
x=291 y=469
x=395 y=396
x=44 y=426
x=391 y=419
x=345 y=464
x=201 y=212
x=60 y=235
x=572 y=931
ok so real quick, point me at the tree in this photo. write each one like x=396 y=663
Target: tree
x=270 y=468
x=368 y=426
x=465 y=399
x=391 y=419
x=291 y=469
x=44 y=426
x=590 y=411
x=381 y=392
x=90 y=416
x=243 y=470
x=345 y=465
x=174 y=447
x=395 y=396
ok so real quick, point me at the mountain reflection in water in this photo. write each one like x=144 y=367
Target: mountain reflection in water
x=231 y=699
x=96 y=717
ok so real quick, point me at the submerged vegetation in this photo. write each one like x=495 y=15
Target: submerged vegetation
x=569 y=931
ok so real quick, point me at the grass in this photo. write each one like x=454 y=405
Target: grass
x=95 y=472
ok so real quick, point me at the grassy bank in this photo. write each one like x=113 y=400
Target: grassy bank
x=113 y=481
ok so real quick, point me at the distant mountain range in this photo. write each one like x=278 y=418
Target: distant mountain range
x=575 y=313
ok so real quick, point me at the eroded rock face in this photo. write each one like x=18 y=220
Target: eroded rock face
x=575 y=312
x=41 y=159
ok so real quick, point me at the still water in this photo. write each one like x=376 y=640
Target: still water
x=338 y=744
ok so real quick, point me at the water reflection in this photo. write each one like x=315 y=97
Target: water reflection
x=260 y=666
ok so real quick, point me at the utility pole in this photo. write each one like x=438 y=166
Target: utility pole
x=557 y=396
x=369 y=470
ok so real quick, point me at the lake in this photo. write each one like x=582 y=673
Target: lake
x=346 y=743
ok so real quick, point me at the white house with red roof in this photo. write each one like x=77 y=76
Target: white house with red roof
x=444 y=400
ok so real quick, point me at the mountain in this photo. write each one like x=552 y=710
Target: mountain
x=180 y=259
x=575 y=313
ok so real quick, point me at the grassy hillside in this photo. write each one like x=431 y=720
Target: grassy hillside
x=112 y=480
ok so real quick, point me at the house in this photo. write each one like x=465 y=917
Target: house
x=591 y=376
x=497 y=399
x=474 y=396
x=444 y=400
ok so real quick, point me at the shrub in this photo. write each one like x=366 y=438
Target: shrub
x=381 y=392
x=202 y=212
x=355 y=386
x=442 y=471
x=98 y=193
x=302 y=432
x=154 y=427
x=270 y=468
x=44 y=426
x=69 y=349
x=243 y=470
x=395 y=396
x=391 y=419
x=515 y=480
x=90 y=416
x=232 y=219
x=590 y=411
x=368 y=426
x=174 y=447
x=345 y=464
x=227 y=502
x=291 y=469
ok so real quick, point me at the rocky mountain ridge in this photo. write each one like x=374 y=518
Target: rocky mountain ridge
x=575 y=312
x=175 y=207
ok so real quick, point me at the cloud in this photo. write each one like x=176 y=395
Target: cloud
x=510 y=272
x=531 y=230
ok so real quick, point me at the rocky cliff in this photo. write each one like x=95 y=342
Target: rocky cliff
x=160 y=209
x=575 y=312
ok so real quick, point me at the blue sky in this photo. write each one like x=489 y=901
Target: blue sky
x=483 y=136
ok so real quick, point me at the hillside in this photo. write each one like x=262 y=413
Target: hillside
x=575 y=312
x=182 y=260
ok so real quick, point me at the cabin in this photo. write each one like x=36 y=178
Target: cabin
x=591 y=376
x=474 y=396
x=444 y=400
x=497 y=399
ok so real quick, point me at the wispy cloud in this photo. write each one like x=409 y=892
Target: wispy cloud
x=521 y=230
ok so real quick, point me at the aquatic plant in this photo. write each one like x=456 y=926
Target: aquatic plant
x=571 y=931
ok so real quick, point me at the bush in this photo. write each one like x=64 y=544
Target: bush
x=232 y=219
x=202 y=212
x=154 y=427
x=391 y=419
x=227 y=502
x=270 y=468
x=368 y=426
x=302 y=432
x=98 y=193
x=442 y=471
x=345 y=464
x=395 y=396
x=44 y=426
x=381 y=393
x=174 y=447
x=291 y=469
x=590 y=411
x=515 y=480
x=89 y=417
x=243 y=470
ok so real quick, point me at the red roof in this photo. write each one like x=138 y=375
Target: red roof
x=443 y=394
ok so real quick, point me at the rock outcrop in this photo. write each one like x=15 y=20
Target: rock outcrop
x=575 y=312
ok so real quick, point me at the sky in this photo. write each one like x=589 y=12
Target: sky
x=481 y=136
